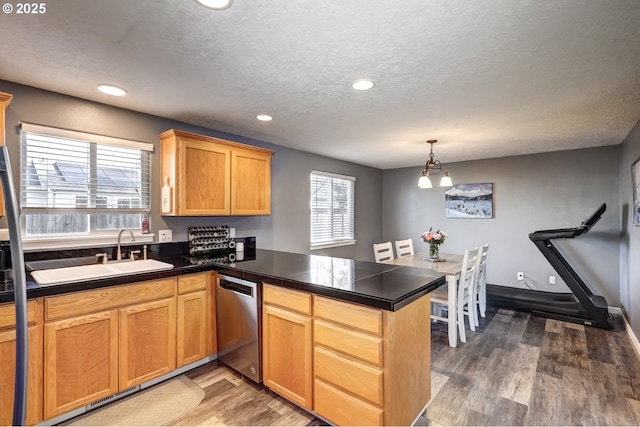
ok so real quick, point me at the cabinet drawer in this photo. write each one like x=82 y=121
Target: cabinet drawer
x=287 y=298
x=343 y=409
x=79 y=303
x=192 y=283
x=357 y=378
x=8 y=314
x=351 y=315
x=356 y=344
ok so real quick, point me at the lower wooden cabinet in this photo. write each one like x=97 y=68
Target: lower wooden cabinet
x=103 y=341
x=287 y=345
x=193 y=326
x=8 y=364
x=344 y=409
x=85 y=346
x=147 y=341
x=81 y=361
x=360 y=379
x=372 y=367
x=350 y=364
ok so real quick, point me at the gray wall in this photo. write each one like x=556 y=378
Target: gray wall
x=286 y=229
x=534 y=192
x=630 y=241
x=543 y=191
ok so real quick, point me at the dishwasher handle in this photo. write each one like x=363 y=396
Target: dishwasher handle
x=237 y=287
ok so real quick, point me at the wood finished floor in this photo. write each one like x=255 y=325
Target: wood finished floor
x=516 y=369
x=233 y=401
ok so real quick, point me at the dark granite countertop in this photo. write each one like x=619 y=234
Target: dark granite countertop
x=388 y=287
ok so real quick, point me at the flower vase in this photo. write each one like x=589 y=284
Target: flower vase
x=434 y=251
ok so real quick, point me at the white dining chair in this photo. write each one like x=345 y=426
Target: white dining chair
x=404 y=247
x=464 y=296
x=480 y=285
x=383 y=251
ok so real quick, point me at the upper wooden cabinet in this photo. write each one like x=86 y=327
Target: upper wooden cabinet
x=5 y=100
x=210 y=176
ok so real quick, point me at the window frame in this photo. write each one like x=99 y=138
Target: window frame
x=96 y=236
x=335 y=242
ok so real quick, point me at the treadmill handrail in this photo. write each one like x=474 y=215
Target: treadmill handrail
x=590 y=222
x=569 y=233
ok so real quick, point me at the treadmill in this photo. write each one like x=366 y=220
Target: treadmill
x=585 y=307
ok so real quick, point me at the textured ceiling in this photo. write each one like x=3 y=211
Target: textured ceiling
x=486 y=78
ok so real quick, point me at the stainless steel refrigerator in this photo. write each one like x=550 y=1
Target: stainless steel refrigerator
x=19 y=288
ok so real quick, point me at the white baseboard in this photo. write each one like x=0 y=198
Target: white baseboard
x=632 y=335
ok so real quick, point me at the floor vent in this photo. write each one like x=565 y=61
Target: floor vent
x=113 y=397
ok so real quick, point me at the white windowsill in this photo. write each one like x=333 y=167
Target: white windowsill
x=79 y=242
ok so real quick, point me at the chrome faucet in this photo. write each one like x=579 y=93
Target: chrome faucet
x=133 y=239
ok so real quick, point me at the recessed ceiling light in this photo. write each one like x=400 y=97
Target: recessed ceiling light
x=363 y=84
x=264 y=118
x=216 y=4
x=112 y=90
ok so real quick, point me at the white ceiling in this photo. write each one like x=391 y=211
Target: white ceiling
x=487 y=78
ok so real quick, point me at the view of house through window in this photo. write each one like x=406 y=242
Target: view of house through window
x=332 y=210
x=79 y=186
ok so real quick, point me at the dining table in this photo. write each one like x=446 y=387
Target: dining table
x=451 y=266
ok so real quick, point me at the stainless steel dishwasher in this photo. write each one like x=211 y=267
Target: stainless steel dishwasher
x=239 y=327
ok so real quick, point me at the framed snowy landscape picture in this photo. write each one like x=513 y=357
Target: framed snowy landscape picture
x=469 y=201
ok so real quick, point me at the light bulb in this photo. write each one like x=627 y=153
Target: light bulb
x=446 y=180
x=424 y=182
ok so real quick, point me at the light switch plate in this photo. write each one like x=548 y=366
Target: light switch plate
x=165 y=236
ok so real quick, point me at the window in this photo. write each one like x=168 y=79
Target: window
x=332 y=210
x=75 y=183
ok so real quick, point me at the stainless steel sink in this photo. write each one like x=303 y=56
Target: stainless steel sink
x=84 y=273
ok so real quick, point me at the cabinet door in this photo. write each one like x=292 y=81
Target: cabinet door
x=192 y=327
x=147 y=341
x=212 y=328
x=34 y=375
x=81 y=361
x=203 y=178
x=286 y=340
x=250 y=182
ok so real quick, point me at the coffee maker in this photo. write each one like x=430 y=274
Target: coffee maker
x=6 y=273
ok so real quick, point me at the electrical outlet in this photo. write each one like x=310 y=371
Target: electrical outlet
x=165 y=236
x=552 y=280
x=520 y=275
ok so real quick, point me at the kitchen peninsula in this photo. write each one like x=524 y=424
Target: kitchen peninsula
x=348 y=340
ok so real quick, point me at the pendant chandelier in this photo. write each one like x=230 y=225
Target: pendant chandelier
x=433 y=166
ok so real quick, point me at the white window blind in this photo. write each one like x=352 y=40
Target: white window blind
x=332 y=210
x=72 y=184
